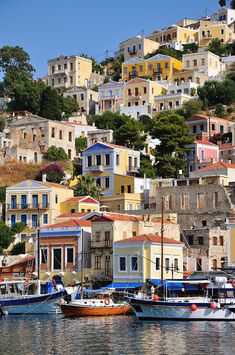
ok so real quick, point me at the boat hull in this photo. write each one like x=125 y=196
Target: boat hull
x=81 y=311
x=40 y=304
x=148 y=310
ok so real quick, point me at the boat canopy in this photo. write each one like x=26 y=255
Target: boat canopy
x=125 y=285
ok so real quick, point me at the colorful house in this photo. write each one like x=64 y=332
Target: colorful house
x=110 y=96
x=210 y=30
x=79 y=204
x=201 y=154
x=220 y=168
x=61 y=247
x=203 y=61
x=34 y=203
x=159 y=67
x=137 y=46
x=138 y=259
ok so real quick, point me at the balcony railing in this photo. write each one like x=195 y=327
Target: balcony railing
x=100 y=244
x=133 y=75
x=132 y=169
x=132 y=51
x=97 y=168
x=27 y=206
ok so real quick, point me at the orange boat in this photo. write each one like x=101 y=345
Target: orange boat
x=94 y=307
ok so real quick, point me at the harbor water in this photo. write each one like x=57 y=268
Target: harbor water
x=113 y=335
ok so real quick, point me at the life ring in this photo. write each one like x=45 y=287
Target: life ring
x=233 y=282
x=26 y=283
x=107 y=301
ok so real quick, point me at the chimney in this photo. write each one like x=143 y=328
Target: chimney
x=44 y=177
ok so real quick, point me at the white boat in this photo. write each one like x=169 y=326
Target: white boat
x=14 y=299
x=218 y=303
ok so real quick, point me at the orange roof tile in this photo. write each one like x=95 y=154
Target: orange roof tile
x=200 y=117
x=71 y=223
x=52 y=184
x=226 y=147
x=149 y=238
x=205 y=143
x=74 y=215
x=86 y=199
x=217 y=166
x=107 y=216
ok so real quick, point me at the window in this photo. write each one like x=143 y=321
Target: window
x=23 y=200
x=53 y=132
x=89 y=160
x=59 y=66
x=214 y=240
x=150 y=66
x=213 y=126
x=202 y=127
x=187 y=63
x=69 y=255
x=57 y=259
x=201 y=200
x=65 y=66
x=106 y=183
x=190 y=239
x=107 y=159
x=222 y=31
x=168 y=202
x=199 y=264
x=221 y=240
x=98 y=159
x=107 y=238
x=60 y=134
x=97 y=236
x=23 y=219
x=157 y=263
x=122 y=263
x=134 y=263
x=129 y=189
x=45 y=218
x=214 y=264
x=125 y=70
x=56 y=198
x=71 y=80
x=59 y=80
x=184 y=201
x=44 y=201
x=97 y=262
x=166 y=65
x=134 y=234
x=167 y=264
x=194 y=62
x=200 y=240
x=117 y=159
x=34 y=220
x=44 y=256
x=69 y=154
x=71 y=66
x=35 y=201
x=98 y=181
x=13 y=219
x=122 y=189
x=221 y=129
x=141 y=68
x=70 y=136
x=135 y=162
x=203 y=61
x=204 y=223
x=52 y=69
x=194 y=129
x=176 y=264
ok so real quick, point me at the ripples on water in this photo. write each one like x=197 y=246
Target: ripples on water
x=113 y=335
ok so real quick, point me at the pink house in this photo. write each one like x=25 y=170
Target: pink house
x=200 y=154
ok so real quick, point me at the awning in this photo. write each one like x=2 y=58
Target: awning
x=174 y=285
x=125 y=285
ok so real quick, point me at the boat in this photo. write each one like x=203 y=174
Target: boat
x=217 y=303
x=99 y=304
x=14 y=299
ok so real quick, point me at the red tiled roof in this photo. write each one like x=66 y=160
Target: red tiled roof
x=52 y=184
x=86 y=199
x=149 y=238
x=226 y=147
x=71 y=223
x=217 y=166
x=73 y=215
x=201 y=117
x=205 y=143
x=117 y=217
x=117 y=146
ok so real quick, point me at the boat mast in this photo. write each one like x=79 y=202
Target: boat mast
x=162 y=233
x=82 y=264
x=38 y=247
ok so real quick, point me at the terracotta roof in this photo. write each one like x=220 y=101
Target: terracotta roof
x=52 y=184
x=149 y=238
x=217 y=166
x=205 y=143
x=86 y=199
x=71 y=223
x=117 y=217
x=201 y=117
x=117 y=146
x=226 y=147
x=74 y=215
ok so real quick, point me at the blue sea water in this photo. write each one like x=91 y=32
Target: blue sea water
x=113 y=335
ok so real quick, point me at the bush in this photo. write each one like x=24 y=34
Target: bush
x=18 y=248
x=55 y=154
x=54 y=173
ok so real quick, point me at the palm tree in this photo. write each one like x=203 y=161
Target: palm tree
x=87 y=186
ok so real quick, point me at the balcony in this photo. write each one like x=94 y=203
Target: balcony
x=133 y=169
x=34 y=206
x=135 y=96
x=133 y=75
x=95 y=168
x=100 y=244
x=132 y=51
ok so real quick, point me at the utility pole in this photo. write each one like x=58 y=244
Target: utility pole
x=38 y=245
x=162 y=234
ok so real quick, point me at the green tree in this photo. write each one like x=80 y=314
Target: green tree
x=166 y=51
x=172 y=131
x=80 y=144
x=215 y=92
x=87 y=186
x=54 y=173
x=69 y=105
x=146 y=123
x=55 y=154
x=146 y=167
x=6 y=236
x=219 y=110
x=129 y=135
x=18 y=248
x=190 y=48
x=15 y=58
x=222 y=3
x=219 y=48
x=191 y=107
x=18 y=227
x=3 y=193
x=51 y=104
x=232 y=4
x=2 y=123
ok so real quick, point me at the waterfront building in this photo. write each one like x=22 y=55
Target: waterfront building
x=79 y=204
x=157 y=68
x=34 y=203
x=202 y=61
x=201 y=154
x=138 y=259
x=175 y=36
x=137 y=46
x=61 y=247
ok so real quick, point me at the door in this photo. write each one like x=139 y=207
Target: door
x=57 y=259
x=44 y=201
x=107 y=265
x=35 y=201
x=23 y=201
x=13 y=202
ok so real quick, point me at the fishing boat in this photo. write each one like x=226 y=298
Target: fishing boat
x=15 y=299
x=217 y=303
x=95 y=303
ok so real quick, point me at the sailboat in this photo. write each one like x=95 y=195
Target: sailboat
x=92 y=302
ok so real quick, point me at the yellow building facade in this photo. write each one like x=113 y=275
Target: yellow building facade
x=79 y=204
x=138 y=259
x=139 y=92
x=34 y=203
x=159 y=67
x=137 y=46
x=210 y=30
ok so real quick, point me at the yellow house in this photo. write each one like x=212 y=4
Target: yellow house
x=175 y=36
x=209 y=30
x=137 y=46
x=159 y=67
x=34 y=203
x=138 y=259
x=170 y=102
x=110 y=96
x=79 y=204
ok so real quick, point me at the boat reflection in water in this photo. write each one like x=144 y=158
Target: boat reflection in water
x=217 y=303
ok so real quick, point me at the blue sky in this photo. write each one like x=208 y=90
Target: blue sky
x=49 y=28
